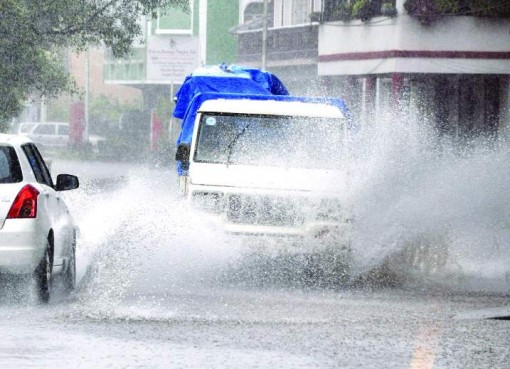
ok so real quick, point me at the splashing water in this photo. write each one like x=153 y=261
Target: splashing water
x=142 y=239
x=431 y=207
x=427 y=208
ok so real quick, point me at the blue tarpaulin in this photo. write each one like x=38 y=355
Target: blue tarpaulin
x=228 y=79
x=231 y=82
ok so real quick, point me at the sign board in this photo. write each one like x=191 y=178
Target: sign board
x=171 y=58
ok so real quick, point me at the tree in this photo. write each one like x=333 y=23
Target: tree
x=33 y=33
x=427 y=11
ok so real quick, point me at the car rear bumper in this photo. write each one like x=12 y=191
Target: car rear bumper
x=22 y=246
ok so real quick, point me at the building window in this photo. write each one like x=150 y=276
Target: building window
x=295 y=12
x=253 y=11
x=301 y=11
x=174 y=21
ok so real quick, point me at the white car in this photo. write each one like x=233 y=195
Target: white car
x=23 y=128
x=37 y=232
x=50 y=134
x=54 y=134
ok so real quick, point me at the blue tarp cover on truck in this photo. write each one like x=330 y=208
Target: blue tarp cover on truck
x=225 y=79
x=231 y=82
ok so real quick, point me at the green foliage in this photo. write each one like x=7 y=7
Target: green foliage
x=33 y=32
x=490 y=8
x=448 y=6
x=342 y=11
x=427 y=11
x=388 y=9
x=346 y=10
x=165 y=108
x=108 y=109
x=58 y=110
x=362 y=9
x=4 y=125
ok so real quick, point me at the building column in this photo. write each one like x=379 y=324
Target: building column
x=370 y=98
x=353 y=94
x=504 y=116
x=202 y=31
x=397 y=85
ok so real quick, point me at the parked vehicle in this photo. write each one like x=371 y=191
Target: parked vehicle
x=54 y=135
x=22 y=127
x=264 y=163
x=37 y=232
x=50 y=134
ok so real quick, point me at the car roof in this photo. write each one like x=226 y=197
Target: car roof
x=14 y=140
x=22 y=123
x=64 y=123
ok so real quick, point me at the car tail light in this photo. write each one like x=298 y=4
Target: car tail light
x=25 y=204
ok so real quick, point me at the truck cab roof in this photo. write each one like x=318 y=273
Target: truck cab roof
x=271 y=103
x=294 y=107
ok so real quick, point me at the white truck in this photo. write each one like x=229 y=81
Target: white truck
x=266 y=166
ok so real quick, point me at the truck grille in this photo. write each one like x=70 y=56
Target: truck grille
x=264 y=210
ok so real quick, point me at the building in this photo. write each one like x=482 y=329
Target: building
x=292 y=41
x=451 y=70
x=174 y=44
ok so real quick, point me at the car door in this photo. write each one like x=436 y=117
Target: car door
x=51 y=204
x=44 y=134
x=62 y=138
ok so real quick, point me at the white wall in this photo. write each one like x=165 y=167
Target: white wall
x=405 y=33
x=504 y=120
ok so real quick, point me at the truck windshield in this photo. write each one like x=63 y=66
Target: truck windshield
x=286 y=141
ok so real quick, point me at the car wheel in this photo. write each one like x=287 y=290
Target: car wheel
x=69 y=277
x=43 y=277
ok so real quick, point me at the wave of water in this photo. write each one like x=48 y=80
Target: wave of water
x=430 y=210
x=141 y=238
x=431 y=206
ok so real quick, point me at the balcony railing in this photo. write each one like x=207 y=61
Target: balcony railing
x=289 y=43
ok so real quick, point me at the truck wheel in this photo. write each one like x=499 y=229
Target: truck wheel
x=43 y=277
x=327 y=269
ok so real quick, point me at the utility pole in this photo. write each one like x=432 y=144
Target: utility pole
x=264 y=36
x=44 y=110
x=87 y=102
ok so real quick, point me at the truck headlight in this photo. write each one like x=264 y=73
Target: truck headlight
x=211 y=202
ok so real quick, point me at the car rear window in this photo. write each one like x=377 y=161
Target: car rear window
x=41 y=172
x=10 y=171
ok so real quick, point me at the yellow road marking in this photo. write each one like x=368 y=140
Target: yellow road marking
x=424 y=354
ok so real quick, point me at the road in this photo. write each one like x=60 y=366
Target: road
x=159 y=288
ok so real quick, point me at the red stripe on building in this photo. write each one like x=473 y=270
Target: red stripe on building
x=387 y=54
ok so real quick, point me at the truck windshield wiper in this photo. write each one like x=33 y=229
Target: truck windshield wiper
x=232 y=143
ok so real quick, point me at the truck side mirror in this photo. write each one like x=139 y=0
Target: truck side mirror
x=182 y=153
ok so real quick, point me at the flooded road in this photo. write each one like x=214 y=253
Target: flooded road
x=160 y=288
x=231 y=328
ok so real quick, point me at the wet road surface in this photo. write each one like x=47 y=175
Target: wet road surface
x=160 y=290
